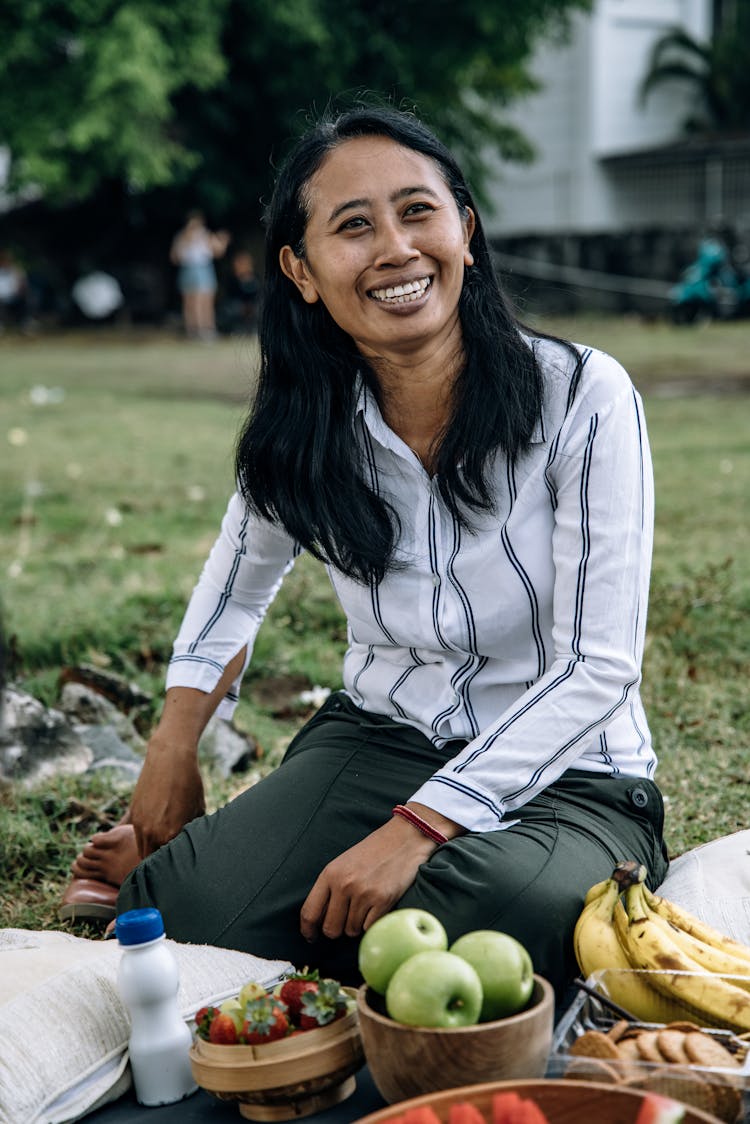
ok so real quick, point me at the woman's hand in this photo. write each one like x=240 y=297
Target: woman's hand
x=363 y=883
x=167 y=795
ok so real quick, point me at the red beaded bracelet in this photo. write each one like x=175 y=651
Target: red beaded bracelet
x=420 y=824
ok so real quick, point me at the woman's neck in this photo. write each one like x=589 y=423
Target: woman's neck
x=416 y=400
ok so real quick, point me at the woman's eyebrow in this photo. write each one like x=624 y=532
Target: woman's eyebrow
x=402 y=193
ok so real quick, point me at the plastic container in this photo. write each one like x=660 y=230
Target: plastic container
x=723 y=1090
x=148 y=981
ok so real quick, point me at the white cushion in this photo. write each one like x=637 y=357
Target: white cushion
x=63 y=1047
x=713 y=883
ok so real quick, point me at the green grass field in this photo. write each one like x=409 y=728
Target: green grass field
x=116 y=467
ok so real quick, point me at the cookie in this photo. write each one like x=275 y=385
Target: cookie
x=683 y=1025
x=592 y=1069
x=681 y=1084
x=648 y=1047
x=727 y=1096
x=671 y=1045
x=616 y=1031
x=594 y=1044
x=627 y=1048
x=702 y=1049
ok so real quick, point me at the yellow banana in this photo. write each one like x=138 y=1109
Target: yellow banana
x=708 y=956
x=595 y=892
x=597 y=947
x=680 y=917
x=649 y=946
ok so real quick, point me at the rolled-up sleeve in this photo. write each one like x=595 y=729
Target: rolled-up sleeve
x=239 y=580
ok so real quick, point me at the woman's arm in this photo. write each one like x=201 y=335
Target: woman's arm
x=601 y=550
x=239 y=580
x=169 y=790
x=366 y=881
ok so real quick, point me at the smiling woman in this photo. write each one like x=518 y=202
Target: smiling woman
x=481 y=496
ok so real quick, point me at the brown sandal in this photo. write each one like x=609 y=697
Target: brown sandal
x=87 y=899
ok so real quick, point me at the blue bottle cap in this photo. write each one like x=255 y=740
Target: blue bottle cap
x=137 y=926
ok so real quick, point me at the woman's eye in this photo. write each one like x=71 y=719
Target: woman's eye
x=417 y=209
x=354 y=223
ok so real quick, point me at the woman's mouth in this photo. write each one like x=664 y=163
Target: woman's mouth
x=402 y=294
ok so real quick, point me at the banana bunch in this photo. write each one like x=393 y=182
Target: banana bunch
x=624 y=925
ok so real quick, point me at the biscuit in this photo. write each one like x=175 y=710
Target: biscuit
x=594 y=1044
x=617 y=1030
x=592 y=1069
x=682 y=1084
x=671 y=1045
x=701 y=1049
x=648 y=1047
x=682 y=1025
x=727 y=1096
x=628 y=1048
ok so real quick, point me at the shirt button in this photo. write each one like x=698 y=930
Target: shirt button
x=455 y=698
x=436 y=580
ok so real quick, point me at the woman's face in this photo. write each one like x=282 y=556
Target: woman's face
x=385 y=247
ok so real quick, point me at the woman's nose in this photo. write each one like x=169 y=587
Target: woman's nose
x=394 y=245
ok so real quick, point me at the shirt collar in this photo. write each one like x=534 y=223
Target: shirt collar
x=373 y=419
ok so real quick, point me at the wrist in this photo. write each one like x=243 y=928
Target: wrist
x=445 y=826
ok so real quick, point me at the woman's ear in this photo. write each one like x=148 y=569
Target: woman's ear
x=470 y=224
x=296 y=270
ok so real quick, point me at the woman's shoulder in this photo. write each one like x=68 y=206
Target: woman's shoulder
x=576 y=373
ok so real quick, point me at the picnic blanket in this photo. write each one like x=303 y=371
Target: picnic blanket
x=713 y=883
x=63 y=1051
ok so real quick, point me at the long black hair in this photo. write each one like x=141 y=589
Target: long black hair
x=297 y=458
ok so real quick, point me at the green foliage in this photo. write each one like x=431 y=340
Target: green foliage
x=202 y=92
x=86 y=89
x=718 y=72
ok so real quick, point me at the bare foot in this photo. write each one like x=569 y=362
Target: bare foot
x=109 y=856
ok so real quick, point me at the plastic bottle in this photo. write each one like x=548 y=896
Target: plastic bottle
x=148 y=980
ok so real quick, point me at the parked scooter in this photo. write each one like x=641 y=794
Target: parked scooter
x=713 y=287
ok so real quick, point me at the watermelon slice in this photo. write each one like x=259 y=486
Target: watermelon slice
x=422 y=1115
x=503 y=1107
x=656 y=1109
x=465 y=1113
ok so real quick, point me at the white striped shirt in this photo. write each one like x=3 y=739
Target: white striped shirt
x=524 y=637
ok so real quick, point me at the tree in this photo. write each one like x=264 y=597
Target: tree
x=87 y=89
x=199 y=95
x=718 y=73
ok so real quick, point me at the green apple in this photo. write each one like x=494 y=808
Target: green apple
x=434 y=988
x=393 y=938
x=504 y=967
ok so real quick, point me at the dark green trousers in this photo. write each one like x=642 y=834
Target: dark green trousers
x=238 y=878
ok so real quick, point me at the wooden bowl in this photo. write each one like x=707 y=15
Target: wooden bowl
x=562 y=1102
x=408 y=1060
x=286 y=1079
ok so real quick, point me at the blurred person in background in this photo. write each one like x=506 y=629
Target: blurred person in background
x=194 y=250
x=239 y=309
x=14 y=291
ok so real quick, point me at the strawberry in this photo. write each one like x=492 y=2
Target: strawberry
x=292 y=990
x=266 y=1020
x=203 y=1019
x=324 y=1006
x=222 y=1031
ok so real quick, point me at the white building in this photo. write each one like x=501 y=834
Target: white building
x=606 y=162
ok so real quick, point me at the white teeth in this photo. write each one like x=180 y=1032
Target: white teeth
x=401 y=294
